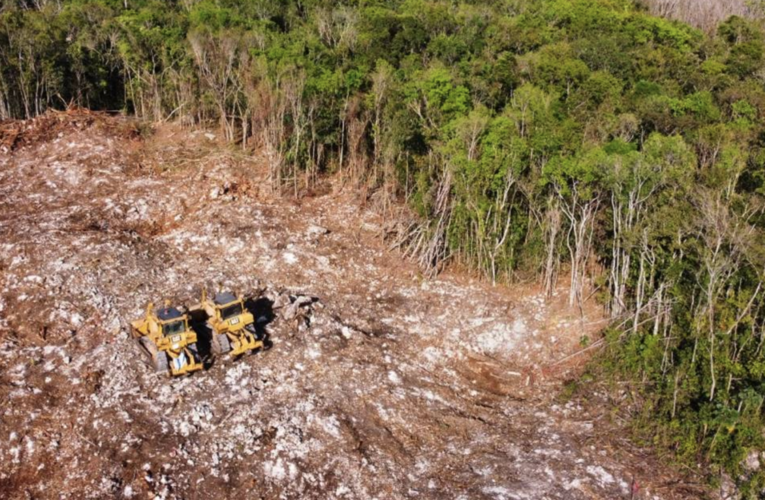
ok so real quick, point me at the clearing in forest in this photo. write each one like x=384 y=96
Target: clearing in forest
x=390 y=386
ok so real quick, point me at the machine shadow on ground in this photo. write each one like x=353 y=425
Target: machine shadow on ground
x=198 y=323
x=262 y=309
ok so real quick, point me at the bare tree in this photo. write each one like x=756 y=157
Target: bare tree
x=357 y=122
x=551 y=228
x=338 y=27
x=728 y=237
x=580 y=212
x=705 y=14
x=217 y=56
x=271 y=110
x=427 y=243
x=633 y=185
x=502 y=209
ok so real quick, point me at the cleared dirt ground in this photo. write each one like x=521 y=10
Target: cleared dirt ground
x=392 y=386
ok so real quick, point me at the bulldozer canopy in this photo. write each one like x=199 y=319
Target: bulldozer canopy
x=168 y=313
x=224 y=298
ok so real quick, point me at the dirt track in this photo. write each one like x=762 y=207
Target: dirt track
x=398 y=387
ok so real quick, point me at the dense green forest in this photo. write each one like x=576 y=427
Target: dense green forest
x=555 y=140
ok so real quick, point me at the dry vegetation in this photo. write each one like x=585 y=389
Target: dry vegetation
x=705 y=14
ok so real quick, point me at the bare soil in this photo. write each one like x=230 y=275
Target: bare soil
x=391 y=386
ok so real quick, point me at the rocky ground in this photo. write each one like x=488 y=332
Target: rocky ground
x=392 y=386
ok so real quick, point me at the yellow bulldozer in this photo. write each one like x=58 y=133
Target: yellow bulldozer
x=166 y=337
x=231 y=325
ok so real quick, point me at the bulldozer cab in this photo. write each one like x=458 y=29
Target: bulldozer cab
x=225 y=306
x=172 y=321
x=228 y=308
